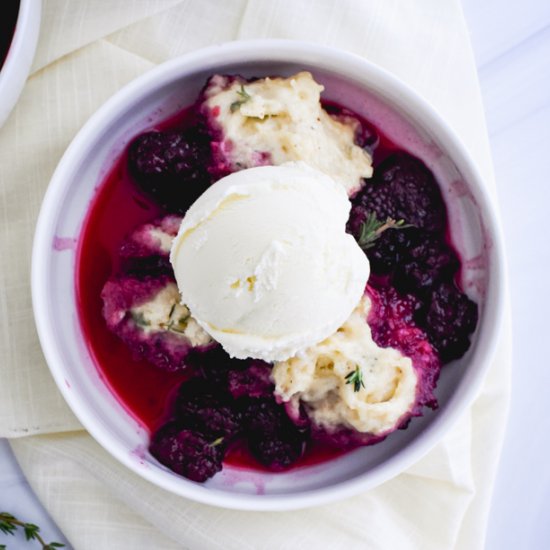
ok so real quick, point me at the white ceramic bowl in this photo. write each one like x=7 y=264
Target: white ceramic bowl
x=362 y=87
x=17 y=65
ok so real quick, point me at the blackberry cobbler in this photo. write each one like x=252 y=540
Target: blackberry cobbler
x=354 y=386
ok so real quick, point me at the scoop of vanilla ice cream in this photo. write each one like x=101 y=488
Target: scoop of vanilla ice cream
x=263 y=262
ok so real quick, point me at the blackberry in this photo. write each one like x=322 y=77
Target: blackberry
x=164 y=352
x=171 y=167
x=277 y=451
x=357 y=216
x=254 y=381
x=427 y=260
x=209 y=412
x=215 y=364
x=187 y=452
x=402 y=188
x=450 y=319
x=273 y=439
x=390 y=250
x=265 y=416
x=391 y=310
x=393 y=323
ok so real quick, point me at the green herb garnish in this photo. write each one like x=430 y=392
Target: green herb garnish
x=244 y=96
x=356 y=378
x=9 y=525
x=172 y=309
x=139 y=319
x=178 y=325
x=372 y=228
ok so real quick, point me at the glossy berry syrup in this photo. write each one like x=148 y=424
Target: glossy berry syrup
x=417 y=308
x=117 y=209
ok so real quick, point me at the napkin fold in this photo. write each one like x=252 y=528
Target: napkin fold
x=90 y=48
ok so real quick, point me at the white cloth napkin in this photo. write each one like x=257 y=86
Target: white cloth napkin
x=88 y=49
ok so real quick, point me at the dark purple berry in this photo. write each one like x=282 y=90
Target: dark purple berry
x=171 y=167
x=425 y=263
x=391 y=310
x=402 y=189
x=265 y=416
x=450 y=318
x=187 y=453
x=254 y=381
x=195 y=395
x=273 y=438
x=214 y=365
x=392 y=321
x=277 y=451
x=390 y=249
x=210 y=412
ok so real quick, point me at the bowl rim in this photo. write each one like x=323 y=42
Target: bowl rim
x=276 y=50
x=18 y=62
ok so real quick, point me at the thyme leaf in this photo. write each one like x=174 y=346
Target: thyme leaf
x=372 y=228
x=356 y=378
x=172 y=309
x=139 y=319
x=244 y=96
x=9 y=525
x=178 y=325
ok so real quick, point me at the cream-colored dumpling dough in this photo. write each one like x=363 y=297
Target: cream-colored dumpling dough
x=317 y=378
x=276 y=120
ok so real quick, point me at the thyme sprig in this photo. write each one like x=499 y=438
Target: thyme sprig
x=356 y=378
x=176 y=325
x=372 y=228
x=173 y=323
x=139 y=319
x=244 y=96
x=9 y=525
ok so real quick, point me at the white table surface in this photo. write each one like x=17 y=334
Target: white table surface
x=512 y=46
